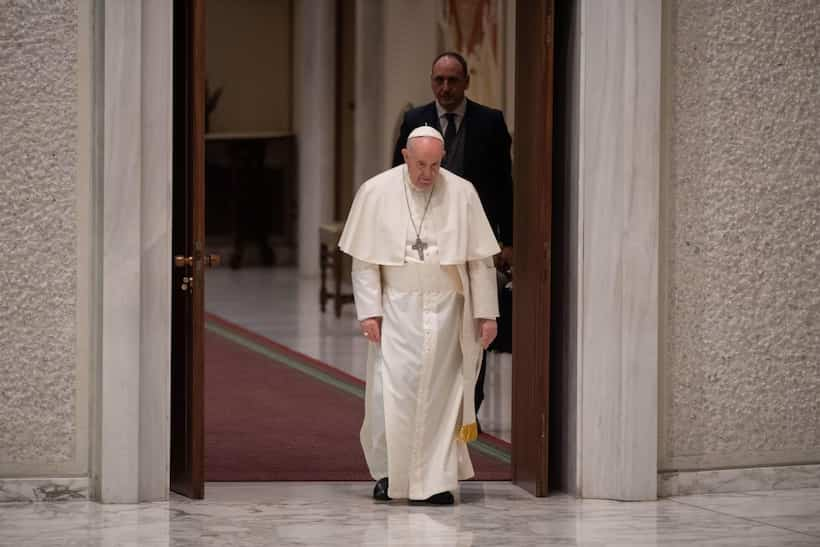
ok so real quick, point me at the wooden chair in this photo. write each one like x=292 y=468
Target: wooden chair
x=331 y=257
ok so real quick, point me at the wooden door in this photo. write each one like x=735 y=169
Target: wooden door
x=187 y=304
x=532 y=250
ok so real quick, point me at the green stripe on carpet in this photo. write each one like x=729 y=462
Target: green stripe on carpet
x=307 y=368
x=492 y=451
x=310 y=370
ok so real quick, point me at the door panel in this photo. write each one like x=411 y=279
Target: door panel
x=187 y=304
x=532 y=250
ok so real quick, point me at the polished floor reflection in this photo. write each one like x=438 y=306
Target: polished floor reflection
x=280 y=305
x=488 y=514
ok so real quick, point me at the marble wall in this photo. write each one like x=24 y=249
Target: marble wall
x=85 y=215
x=133 y=196
x=617 y=293
x=44 y=238
x=740 y=363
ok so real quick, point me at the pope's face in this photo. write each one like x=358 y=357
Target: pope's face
x=423 y=158
x=448 y=82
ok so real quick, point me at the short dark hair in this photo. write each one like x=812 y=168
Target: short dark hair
x=457 y=57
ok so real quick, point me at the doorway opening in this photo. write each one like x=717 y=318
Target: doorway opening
x=257 y=313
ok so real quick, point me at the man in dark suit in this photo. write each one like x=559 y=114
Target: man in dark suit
x=477 y=147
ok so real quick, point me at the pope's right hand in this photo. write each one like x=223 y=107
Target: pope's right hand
x=372 y=329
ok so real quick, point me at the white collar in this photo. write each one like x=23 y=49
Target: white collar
x=459 y=111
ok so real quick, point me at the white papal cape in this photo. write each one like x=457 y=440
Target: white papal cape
x=420 y=409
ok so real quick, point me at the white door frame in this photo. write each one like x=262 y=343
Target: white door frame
x=132 y=251
x=618 y=155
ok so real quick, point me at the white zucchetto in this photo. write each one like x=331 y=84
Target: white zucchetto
x=425 y=131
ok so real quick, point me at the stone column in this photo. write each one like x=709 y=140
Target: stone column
x=618 y=208
x=120 y=184
x=155 y=320
x=315 y=106
x=132 y=194
x=370 y=74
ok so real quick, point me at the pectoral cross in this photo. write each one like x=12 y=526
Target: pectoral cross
x=419 y=246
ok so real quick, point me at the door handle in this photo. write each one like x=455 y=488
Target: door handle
x=182 y=261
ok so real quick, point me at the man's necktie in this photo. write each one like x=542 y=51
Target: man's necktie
x=450 y=132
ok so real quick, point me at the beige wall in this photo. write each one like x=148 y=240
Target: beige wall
x=741 y=224
x=249 y=56
x=45 y=110
x=410 y=33
x=403 y=50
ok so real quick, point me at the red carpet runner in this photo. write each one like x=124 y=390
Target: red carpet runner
x=272 y=414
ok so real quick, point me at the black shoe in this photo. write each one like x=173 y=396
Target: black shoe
x=442 y=498
x=380 y=490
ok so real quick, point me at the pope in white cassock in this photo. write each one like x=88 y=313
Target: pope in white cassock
x=425 y=291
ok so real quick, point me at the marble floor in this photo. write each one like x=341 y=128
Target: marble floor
x=279 y=304
x=493 y=514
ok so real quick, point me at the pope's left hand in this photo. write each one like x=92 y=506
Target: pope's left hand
x=487 y=331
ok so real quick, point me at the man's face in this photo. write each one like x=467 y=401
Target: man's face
x=448 y=82
x=423 y=158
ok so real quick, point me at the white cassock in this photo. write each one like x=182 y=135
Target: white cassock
x=419 y=409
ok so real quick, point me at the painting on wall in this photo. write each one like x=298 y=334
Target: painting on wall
x=473 y=28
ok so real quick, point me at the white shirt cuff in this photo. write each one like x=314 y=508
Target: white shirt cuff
x=367 y=289
x=483 y=288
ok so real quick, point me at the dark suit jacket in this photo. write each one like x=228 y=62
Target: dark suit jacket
x=487 y=162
